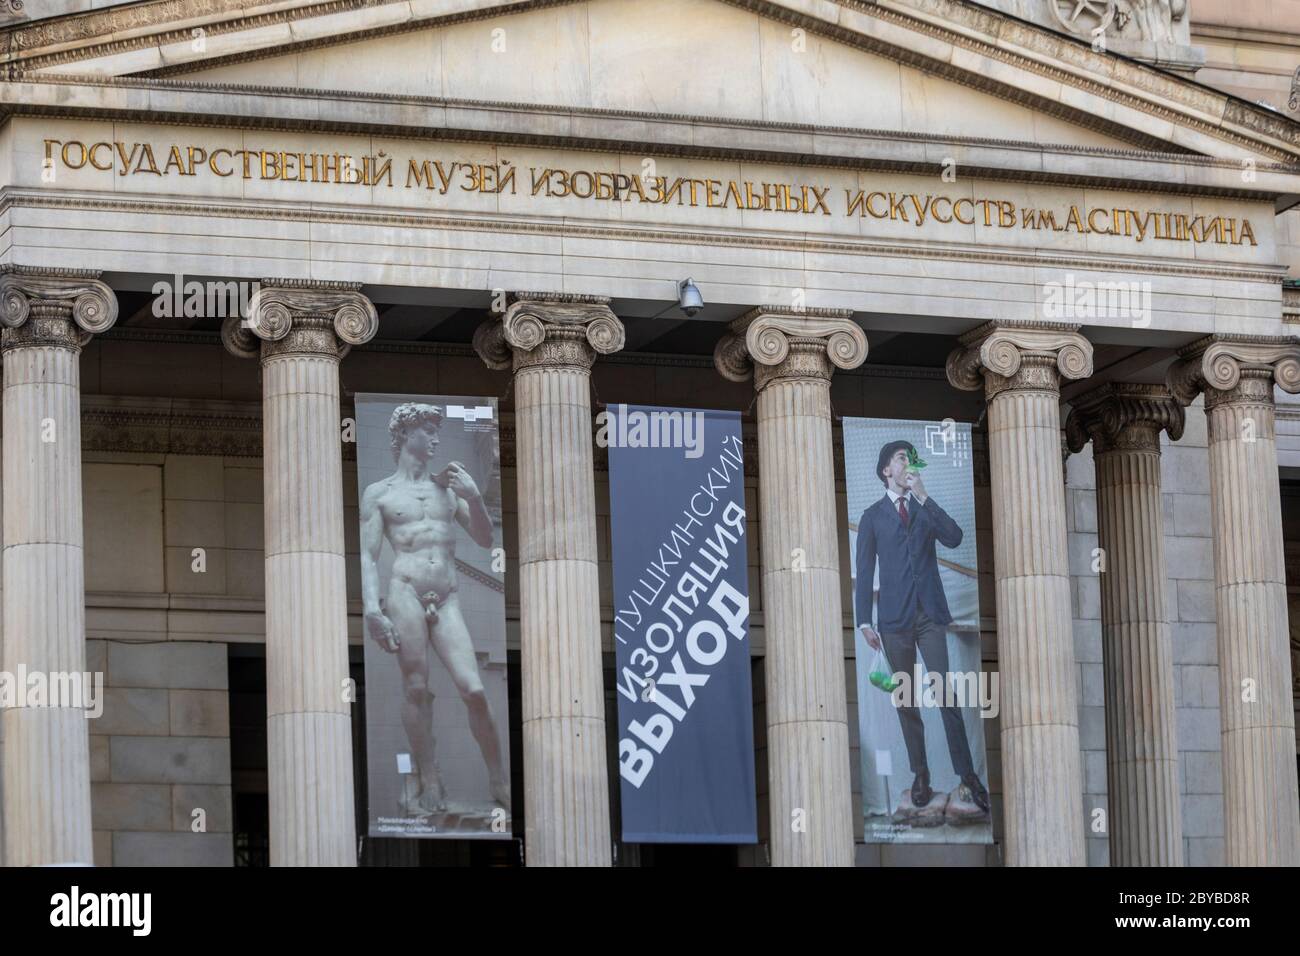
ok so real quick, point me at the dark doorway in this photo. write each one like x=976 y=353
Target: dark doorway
x=248 y=759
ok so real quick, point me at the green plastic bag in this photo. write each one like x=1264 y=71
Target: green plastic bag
x=880 y=676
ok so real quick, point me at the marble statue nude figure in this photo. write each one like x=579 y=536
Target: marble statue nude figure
x=413 y=509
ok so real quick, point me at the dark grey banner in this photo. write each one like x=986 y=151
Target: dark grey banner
x=681 y=624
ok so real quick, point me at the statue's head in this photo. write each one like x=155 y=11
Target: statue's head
x=414 y=429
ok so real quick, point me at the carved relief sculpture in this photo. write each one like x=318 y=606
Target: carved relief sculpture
x=1149 y=20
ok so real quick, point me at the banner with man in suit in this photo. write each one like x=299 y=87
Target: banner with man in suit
x=921 y=691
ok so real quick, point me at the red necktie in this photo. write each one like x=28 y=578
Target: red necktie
x=902 y=511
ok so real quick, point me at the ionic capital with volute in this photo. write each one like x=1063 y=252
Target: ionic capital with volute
x=1006 y=356
x=53 y=307
x=773 y=344
x=549 y=329
x=302 y=317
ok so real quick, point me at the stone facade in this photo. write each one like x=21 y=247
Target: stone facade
x=1190 y=601
x=160 y=754
x=166 y=625
x=408 y=169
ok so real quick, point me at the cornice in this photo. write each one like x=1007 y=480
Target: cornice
x=145 y=425
x=459 y=350
x=425 y=119
x=1158 y=150
x=462 y=350
x=162 y=22
x=1057 y=48
x=149 y=82
x=171 y=426
x=1291 y=305
x=1271 y=274
x=1243 y=34
x=123 y=27
x=86 y=25
x=981 y=31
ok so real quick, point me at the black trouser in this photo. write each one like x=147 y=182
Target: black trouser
x=901 y=648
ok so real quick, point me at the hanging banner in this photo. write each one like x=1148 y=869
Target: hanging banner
x=921 y=691
x=433 y=595
x=681 y=624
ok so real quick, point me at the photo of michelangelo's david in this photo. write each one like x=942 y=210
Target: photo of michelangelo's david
x=428 y=616
x=910 y=552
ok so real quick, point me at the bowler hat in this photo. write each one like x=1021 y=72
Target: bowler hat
x=888 y=452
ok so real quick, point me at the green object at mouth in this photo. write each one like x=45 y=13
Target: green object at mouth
x=914 y=461
x=882 y=680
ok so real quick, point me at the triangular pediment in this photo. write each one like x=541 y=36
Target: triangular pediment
x=676 y=57
x=935 y=68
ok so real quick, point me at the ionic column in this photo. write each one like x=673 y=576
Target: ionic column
x=301 y=330
x=1237 y=375
x=551 y=343
x=792 y=357
x=48 y=315
x=1124 y=422
x=1020 y=367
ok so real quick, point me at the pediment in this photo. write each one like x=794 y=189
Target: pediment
x=937 y=68
x=677 y=57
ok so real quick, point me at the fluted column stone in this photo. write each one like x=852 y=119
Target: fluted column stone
x=551 y=342
x=300 y=331
x=791 y=357
x=1124 y=423
x=1237 y=375
x=47 y=317
x=1020 y=367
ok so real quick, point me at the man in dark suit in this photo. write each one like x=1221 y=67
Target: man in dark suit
x=899 y=532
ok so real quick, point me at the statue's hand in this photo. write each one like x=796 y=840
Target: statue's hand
x=382 y=631
x=459 y=481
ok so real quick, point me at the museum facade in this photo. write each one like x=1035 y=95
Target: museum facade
x=222 y=220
